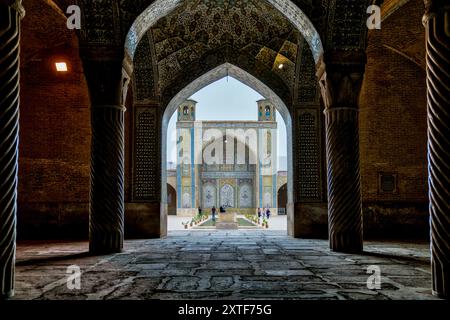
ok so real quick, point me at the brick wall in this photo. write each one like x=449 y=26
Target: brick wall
x=54 y=128
x=393 y=124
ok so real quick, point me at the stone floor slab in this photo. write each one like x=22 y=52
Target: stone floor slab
x=241 y=265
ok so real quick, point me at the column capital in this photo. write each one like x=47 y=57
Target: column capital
x=433 y=8
x=340 y=84
x=106 y=106
x=16 y=5
x=107 y=80
x=341 y=114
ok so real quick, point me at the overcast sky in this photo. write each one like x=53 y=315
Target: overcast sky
x=227 y=99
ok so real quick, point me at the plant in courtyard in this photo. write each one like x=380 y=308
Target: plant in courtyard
x=199 y=218
x=251 y=217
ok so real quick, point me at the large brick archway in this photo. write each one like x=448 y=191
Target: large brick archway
x=299 y=46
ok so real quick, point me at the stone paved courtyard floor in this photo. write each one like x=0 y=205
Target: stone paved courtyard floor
x=278 y=223
x=223 y=265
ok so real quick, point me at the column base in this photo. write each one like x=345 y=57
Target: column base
x=439 y=295
x=103 y=243
x=7 y=296
x=441 y=280
x=346 y=242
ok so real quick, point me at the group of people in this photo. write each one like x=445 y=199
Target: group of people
x=263 y=213
x=214 y=210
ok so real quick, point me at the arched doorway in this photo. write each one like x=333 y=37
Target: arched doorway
x=171 y=200
x=282 y=199
x=228 y=69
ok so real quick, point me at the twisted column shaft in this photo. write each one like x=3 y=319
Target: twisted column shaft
x=9 y=142
x=344 y=191
x=437 y=23
x=106 y=219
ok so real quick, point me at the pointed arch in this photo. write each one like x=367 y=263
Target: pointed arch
x=247 y=79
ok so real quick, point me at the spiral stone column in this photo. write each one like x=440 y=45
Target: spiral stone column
x=10 y=14
x=437 y=24
x=106 y=82
x=341 y=85
x=106 y=220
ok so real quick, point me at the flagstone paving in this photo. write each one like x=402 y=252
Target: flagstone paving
x=223 y=265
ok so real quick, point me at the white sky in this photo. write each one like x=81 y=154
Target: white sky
x=227 y=99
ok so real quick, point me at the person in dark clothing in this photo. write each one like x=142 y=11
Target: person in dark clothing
x=268 y=213
x=213 y=213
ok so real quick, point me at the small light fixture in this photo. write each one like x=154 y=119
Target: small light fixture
x=61 y=66
x=280 y=66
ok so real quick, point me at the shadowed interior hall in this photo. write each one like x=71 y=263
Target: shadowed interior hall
x=83 y=147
